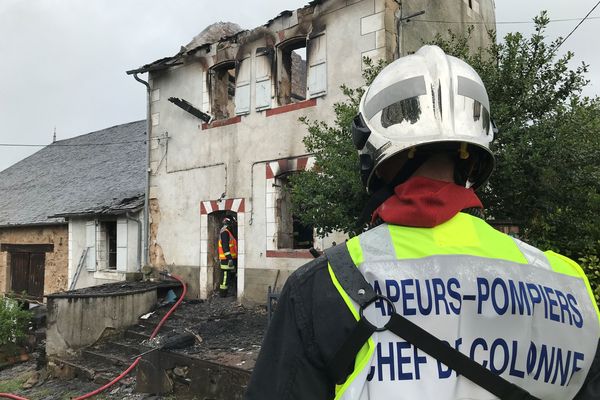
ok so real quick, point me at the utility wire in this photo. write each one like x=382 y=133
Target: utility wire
x=577 y=26
x=498 y=22
x=68 y=144
x=581 y=20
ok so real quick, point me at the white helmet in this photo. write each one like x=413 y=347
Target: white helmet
x=423 y=103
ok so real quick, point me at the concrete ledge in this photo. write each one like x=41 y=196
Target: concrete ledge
x=114 y=275
x=205 y=379
x=77 y=322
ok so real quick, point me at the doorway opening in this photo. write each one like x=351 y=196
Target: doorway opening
x=215 y=220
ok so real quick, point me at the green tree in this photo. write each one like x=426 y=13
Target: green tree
x=330 y=197
x=547 y=176
x=548 y=149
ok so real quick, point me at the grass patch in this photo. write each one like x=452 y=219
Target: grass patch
x=14 y=385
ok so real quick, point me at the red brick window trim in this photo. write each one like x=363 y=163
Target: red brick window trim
x=222 y=122
x=285 y=253
x=292 y=107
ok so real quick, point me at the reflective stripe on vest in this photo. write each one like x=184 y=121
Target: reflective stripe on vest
x=232 y=246
x=524 y=314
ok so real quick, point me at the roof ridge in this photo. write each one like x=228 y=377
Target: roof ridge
x=93 y=132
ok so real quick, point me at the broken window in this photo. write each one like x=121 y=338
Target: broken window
x=111 y=244
x=222 y=90
x=106 y=254
x=292 y=233
x=292 y=71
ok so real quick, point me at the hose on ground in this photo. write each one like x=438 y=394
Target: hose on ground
x=135 y=362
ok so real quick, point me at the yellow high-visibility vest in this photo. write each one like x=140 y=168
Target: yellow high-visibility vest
x=527 y=315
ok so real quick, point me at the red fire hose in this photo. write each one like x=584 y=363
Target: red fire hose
x=135 y=362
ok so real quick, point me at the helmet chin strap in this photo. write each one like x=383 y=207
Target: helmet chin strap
x=386 y=190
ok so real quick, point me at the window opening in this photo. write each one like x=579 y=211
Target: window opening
x=223 y=91
x=111 y=241
x=292 y=72
x=292 y=233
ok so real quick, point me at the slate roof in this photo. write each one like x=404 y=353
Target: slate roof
x=98 y=173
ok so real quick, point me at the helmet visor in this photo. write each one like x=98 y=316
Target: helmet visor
x=421 y=118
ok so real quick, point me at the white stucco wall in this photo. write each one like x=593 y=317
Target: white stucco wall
x=191 y=165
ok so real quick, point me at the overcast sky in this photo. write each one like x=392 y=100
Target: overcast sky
x=64 y=61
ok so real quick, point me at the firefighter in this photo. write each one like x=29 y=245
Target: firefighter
x=227 y=255
x=431 y=302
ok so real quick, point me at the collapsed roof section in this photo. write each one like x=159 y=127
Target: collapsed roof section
x=220 y=32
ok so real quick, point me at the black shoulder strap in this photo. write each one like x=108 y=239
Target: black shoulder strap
x=348 y=276
x=356 y=286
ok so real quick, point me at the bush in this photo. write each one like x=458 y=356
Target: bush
x=13 y=321
x=591 y=266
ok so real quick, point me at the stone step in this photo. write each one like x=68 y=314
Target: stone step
x=69 y=368
x=129 y=346
x=133 y=334
x=107 y=358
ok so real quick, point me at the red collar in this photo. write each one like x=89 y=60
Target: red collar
x=424 y=202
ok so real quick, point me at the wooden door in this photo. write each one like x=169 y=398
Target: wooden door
x=27 y=272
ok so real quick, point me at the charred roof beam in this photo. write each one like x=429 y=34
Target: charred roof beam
x=187 y=107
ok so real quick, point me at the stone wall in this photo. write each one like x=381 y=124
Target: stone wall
x=56 y=267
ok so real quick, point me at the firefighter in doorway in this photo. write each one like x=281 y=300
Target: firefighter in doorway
x=227 y=255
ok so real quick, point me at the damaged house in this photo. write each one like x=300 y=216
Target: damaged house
x=70 y=214
x=225 y=134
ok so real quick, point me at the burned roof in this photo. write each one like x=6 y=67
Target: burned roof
x=213 y=33
x=217 y=32
x=98 y=173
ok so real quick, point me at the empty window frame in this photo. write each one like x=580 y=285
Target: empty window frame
x=291 y=233
x=222 y=89
x=107 y=245
x=292 y=71
x=111 y=241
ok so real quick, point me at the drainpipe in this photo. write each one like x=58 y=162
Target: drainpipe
x=147 y=192
x=139 y=229
x=400 y=19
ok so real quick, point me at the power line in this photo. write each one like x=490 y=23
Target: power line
x=499 y=22
x=577 y=26
x=68 y=144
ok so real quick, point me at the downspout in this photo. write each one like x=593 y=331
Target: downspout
x=147 y=188
x=399 y=28
x=139 y=229
x=400 y=19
